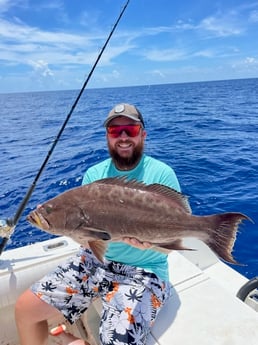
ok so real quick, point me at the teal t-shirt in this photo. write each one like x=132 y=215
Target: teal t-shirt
x=149 y=170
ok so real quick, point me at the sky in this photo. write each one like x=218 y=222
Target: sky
x=53 y=44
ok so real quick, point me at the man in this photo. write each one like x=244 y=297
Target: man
x=133 y=282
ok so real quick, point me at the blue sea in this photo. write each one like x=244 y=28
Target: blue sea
x=207 y=131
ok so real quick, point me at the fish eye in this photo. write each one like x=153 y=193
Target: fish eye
x=48 y=209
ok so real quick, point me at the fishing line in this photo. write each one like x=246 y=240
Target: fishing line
x=7 y=226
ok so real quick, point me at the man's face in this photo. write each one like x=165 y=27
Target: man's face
x=125 y=150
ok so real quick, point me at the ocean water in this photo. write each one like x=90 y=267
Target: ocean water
x=207 y=131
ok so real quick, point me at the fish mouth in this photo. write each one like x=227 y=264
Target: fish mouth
x=38 y=220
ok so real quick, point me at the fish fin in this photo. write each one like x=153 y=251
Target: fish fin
x=179 y=199
x=98 y=248
x=97 y=234
x=224 y=229
x=167 y=247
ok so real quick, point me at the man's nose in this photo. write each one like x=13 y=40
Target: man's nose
x=124 y=135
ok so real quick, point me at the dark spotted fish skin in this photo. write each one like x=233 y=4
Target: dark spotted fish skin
x=113 y=208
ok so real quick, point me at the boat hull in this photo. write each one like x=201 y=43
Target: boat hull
x=203 y=310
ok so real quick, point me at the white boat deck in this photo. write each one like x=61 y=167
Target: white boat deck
x=202 y=311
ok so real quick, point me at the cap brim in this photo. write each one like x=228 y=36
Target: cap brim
x=118 y=115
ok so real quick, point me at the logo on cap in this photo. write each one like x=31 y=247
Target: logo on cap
x=119 y=108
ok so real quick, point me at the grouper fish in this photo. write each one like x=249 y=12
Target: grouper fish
x=113 y=208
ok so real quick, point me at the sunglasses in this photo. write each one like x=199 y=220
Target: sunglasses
x=130 y=130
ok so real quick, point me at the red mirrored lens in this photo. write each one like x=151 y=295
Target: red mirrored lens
x=130 y=130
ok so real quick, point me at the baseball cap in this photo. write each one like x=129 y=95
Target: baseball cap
x=124 y=109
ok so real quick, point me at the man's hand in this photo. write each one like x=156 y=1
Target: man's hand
x=132 y=241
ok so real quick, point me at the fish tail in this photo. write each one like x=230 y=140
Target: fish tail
x=224 y=228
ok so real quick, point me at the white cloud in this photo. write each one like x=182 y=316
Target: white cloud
x=108 y=77
x=164 y=54
x=41 y=67
x=21 y=43
x=65 y=52
x=251 y=61
x=158 y=73
x=247 y=65
x=220 y=26
x=206 y=53
x=253 y=17
x=5 y=5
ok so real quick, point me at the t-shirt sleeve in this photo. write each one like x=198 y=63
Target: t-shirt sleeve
x=169 y=178
x=159 y=172
x=96 y=172
x=87 y=178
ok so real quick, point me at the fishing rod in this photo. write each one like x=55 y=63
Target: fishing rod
x=7 y=226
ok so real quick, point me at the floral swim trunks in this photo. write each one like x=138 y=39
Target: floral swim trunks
x=131 y=297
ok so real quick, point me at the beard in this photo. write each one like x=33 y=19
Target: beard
x=126 y=163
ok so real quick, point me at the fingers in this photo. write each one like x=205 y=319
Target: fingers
x=136 y=243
